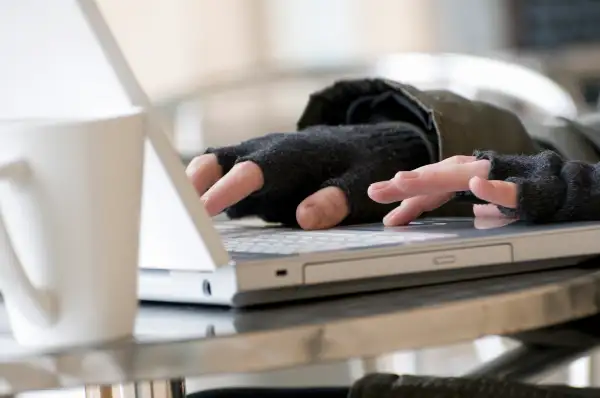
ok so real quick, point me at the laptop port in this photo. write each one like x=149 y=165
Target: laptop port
x=206 y=288
x=281 y=272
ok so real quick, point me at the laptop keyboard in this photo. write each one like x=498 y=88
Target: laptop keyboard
x=289 y=241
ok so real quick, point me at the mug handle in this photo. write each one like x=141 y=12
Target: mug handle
x=36 y=305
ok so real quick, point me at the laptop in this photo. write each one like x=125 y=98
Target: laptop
x=65 y=61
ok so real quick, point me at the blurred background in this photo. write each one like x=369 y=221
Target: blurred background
x=228 y=70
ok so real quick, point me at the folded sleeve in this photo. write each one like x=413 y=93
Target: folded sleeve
x=456 y=125
x=549 y=188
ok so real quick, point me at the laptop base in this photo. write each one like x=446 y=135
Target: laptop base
x=247 y=299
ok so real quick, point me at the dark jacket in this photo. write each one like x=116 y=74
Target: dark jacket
x=462 y=126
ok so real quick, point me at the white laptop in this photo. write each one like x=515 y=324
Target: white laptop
x=60 y=58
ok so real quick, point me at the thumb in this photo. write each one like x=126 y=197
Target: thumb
x=325 y=208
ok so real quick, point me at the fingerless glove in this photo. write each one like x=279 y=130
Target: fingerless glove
x=350 y=157
x=549 y=189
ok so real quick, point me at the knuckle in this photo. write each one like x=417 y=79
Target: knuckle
x=432 y=175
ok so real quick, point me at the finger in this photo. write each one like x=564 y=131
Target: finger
x=204 y=171
x=450 y=178
x=323 y=209
x=487 y=211
x=242 y=180
x=501 y=193
x=410 y=209
x=384 y=192
x=446 y=178
x=390 y=191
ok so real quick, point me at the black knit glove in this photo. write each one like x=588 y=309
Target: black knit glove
x=550 y=189
x=351 y=134
x=295 y=165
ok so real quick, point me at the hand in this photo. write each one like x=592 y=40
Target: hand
x=429 y=187
x=325 y=208
x=316 y=178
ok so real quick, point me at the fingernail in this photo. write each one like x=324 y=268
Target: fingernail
x=379 y=185
x=407 y=175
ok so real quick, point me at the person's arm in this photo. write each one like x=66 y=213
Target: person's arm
x=350 y=134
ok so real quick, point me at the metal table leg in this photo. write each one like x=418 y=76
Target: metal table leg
x=146 y=389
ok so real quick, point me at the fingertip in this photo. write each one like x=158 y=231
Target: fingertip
x=241 y=181
x=377 y=191
x=192 y=166
x=203 y=171
x=394 y=220
x=307 y=216
x=209 y=206
x=388 y=221
x=378 y=186
x=385 y=192
x=325 y=208
x=313 y=217
x=401 y=215
x=200 y=161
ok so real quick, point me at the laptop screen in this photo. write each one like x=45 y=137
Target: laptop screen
x=60 y=60
x=52 y=65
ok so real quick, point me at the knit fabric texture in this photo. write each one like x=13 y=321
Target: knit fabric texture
x=549 y=188
x=350 y=157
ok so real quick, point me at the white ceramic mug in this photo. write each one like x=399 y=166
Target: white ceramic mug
x=70 y=204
